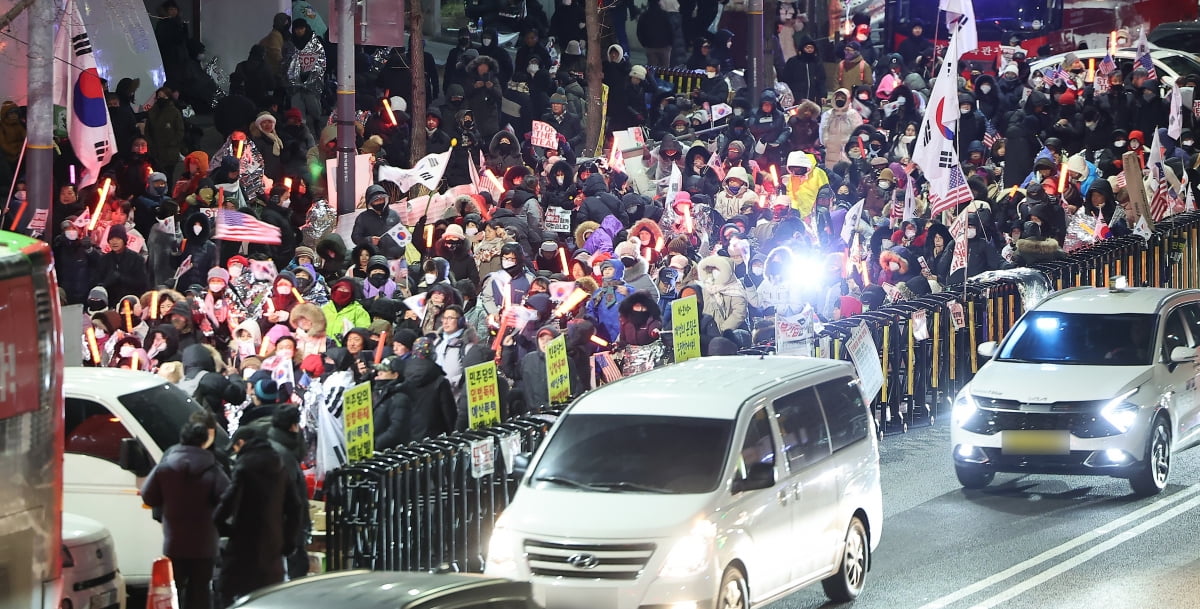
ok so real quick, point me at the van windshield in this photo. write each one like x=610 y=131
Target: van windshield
x=1052 y=337
x=641 y=454
x=162 y=411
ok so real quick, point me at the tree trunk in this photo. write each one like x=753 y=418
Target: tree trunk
x=416 y=51
x=595 y=77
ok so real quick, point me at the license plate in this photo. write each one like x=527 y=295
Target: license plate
x=1036 y=443
x=104 y=599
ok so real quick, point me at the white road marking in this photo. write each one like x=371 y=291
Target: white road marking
x=1087 y=555
x=1056 y=551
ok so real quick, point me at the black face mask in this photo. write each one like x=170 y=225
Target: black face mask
x=96 y=305
x=378 y=280
x=639 y=317
x=302 y=285
x=628 y=261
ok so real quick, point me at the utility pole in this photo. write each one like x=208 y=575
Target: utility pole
x=595 y=75
x=346 y=136
x=39 y=129
x=757 y=73
x=416 y=62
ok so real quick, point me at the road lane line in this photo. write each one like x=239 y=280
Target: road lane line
x=1056 y=551
x=1087 y=555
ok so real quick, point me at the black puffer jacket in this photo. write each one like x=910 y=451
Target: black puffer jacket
x=332 y=250
x=199 y=247
x=433 y=409
x=186 y=486
x=392 y=416
x=599 y=203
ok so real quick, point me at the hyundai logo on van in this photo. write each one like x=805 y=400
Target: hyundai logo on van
x=583 y=561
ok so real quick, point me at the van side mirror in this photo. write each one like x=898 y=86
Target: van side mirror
x=987 y=349
x=520 y=464
x=134 y=458
x=1180 y=355
x=759 y=476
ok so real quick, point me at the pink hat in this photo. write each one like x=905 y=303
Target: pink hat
x=277 y=332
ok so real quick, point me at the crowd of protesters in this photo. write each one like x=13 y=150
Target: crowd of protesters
x=802 y=201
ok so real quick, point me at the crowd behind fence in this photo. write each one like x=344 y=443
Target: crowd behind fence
x=432 y=504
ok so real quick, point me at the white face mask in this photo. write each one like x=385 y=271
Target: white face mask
x=710 y=74
x=127 y=350
x=907 y=139
x=533 y=68
x=196 y=228
x=561 y=180
x=971 y=233
x=894 y=266
x=965 y=110
x=566 y=2
x=283 y=290
x=884 y=184
x=985 y=88
x=1119 y=144
x=508 y=264
x=216 y=286
x=487 y=42
x=1091 y=125
x=471 y=231
x=430 y=278
x=910 y=233
x=1188 y=142
x=285 y=353
x=235 y=271
x=71 y=235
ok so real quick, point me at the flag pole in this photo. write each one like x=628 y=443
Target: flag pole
x=39 y=173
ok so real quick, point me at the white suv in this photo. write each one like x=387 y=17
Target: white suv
x=1090 y=381
x=727 y=481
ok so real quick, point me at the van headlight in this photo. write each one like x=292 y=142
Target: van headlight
x=502 y=553
x=1120 y=413
x=689 y=556
x=964 y=407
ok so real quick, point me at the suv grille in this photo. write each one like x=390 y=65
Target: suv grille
x=1080 y=424
x=588 y=561
x=1092 y=406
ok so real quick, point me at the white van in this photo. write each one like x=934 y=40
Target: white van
x=726 y=481
x=91 y=579
x=118 y=425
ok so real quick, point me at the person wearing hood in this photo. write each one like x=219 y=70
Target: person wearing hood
x=659 y=161
x=194 y=178
x=184 y=489
x=837 y=124
x=197 y=246
x=484 y=94
x=391 y=407
x=371 y=226
x=640 y=319
x=915 y=44
x=378 y=283
x=598 y=203
x=560 y=188
x=121 y=271
x=262 y=84
x=981 y=255
x=603 y=305
x=490 y=47
x=278 y=45
x=1034 y=248
x=736 y=191
x=162 y=344
x=724 y=296
x=165 y=130
x=637 y=268
x=453 y=246
x=75 y=258
x=433 y=410
x=306 y=73
x=344 y=312
x=503 y=153
x=600 y=238
x=529 y=372
x=454 y=57
x=260 y=513
x=436 y=138
x=510 y=284
x=804 y=73
x=769 y=128
x=146 y=204
x=332 y=251
x=972 y=124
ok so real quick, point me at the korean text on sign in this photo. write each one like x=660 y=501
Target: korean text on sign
x=557 y=372
x=360 y=427
x=483 y=396
x=685 y=317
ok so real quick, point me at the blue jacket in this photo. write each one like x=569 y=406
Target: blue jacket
x=605 y=302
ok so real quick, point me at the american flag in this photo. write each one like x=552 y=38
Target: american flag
x=958 y=192
x=237 y=226
x=1062 y=76
x=989 y=136
x=1165 y=202
x=1144 y=61
x=606 y=367
x=1107 y=65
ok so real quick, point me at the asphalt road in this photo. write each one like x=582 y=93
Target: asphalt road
x=1037 y=542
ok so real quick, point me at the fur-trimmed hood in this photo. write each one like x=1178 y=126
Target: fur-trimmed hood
x=311 y=312
x=886 y=257
x=583 y=231
x=644 y=298
x=568 y=175
x=493 y=67
x=1046 y=247
x=646 y=224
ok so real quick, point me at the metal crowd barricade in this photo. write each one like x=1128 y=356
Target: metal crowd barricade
x=419 y=507
x=685 y=81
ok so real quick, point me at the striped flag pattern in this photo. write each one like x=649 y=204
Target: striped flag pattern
x=990 y=135
x=606 y=367
x=1142 y=57
x=1107 y=65
x=237 y=226
x=958 y=193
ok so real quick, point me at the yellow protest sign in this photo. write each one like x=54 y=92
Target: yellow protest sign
x=603 y=116
x=558 y=375
x=483 y=396
x=685 y=321
x=359 y=424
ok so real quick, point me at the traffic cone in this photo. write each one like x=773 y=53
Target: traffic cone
x=162 y=593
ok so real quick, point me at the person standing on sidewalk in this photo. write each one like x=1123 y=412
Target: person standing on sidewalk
x=184 y=489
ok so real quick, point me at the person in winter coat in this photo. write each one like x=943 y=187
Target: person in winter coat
x=768 y=126
x=737 y=191
x=1034 y=248
x=165 y=129
x=636 y=274
x=454 y=248
x=378 y=283
x=490 y=47
x=484 y=93
x=655 y=34
x=604 y=303
x=433 y=411
x=372 y=225
x=853 y=70
x=602 y=238
x=261 y=515
x=74 y=258
x=121 y=271
x=641 y=319
x=184 y=490
x=915 y=44
x=560 y=186
x=529 y=372
x=981 y=255
x=197 y=246
x=837 y=124
x=804 y=73
x=724 y=296
x=344 y=311
x=391 y=407
x=510 y=284
x=598 y=203
x=306 y=73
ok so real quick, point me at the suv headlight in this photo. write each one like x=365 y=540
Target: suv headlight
x=689 y=556
x=502 y=553
x=1120 y=413
x=964 y=407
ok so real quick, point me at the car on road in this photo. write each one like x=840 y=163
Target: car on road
x=91 y=579
x=1180 y=35
x=1094 y=381
x=1169 y=63
x=721 y=481
x=390 y=590
x=118 y=424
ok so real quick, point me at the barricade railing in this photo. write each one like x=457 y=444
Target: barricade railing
x=428 y=505
x=685 y=81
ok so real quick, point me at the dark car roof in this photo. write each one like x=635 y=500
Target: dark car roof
x=393 y=590
x=1177 y=35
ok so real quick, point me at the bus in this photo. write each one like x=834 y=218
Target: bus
x=31 y=436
